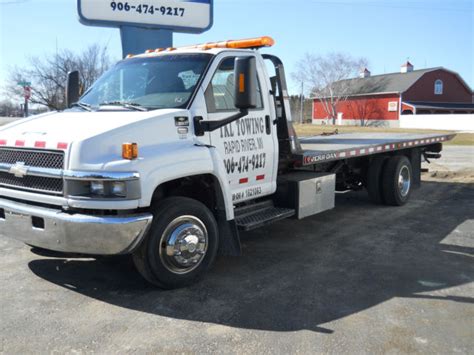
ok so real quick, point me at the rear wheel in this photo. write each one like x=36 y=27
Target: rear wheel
x=396 y=180
x=374 y=179
x=181 y=244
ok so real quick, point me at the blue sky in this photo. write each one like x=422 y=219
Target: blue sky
x=387 y=32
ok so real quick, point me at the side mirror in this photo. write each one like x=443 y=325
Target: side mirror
x=245 y=96
x=72 y=88
x=245 y=74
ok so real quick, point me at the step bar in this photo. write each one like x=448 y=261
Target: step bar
x=256 y=215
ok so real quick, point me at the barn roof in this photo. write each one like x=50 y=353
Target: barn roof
x=385 y=83
x=440 y=105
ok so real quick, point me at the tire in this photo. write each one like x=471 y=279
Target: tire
x=374 y=179
x=397 y=180
x=181 y=244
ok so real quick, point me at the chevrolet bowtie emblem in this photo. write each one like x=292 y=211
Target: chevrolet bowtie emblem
x=19 y=170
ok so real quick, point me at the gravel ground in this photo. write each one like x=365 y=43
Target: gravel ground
x=358 y=279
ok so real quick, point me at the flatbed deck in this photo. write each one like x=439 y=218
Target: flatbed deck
x=320 y=149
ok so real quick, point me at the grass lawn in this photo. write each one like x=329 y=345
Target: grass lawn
x=312 y=130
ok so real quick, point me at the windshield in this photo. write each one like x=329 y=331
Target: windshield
x=166 y=81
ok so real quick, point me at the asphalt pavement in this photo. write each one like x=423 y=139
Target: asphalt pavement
x=455 y=158
x=357 y=279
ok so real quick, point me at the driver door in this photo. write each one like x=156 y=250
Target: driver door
x=247 y=145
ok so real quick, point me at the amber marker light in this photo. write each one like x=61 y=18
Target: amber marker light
x=241 y=83
x=252 y=43
x=130 y=151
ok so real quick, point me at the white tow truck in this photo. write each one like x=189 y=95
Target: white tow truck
x=172 y=152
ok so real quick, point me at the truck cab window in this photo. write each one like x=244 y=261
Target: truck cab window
x=220 y=92
x=166 y=81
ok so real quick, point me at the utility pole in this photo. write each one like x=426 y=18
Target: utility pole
x=26 y=85
x=302 y=102
x=25 y=114
x=27 y=95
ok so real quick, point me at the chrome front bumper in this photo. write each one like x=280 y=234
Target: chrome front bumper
x=75 y=233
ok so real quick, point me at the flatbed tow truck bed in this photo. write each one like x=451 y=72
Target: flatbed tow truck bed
x=335 y=147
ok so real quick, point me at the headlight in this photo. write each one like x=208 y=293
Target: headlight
x=119 y=188
x=103 y=189
x=97 y=188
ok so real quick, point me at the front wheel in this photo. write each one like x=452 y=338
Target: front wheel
x=181 y=244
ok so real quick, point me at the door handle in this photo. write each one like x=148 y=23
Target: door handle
x=268 y=124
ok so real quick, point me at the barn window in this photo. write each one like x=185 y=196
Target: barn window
x=438 y=89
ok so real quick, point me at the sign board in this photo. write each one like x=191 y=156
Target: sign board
x=24 y=83
x=393 y=106
x=27 y=92
x=192 y=16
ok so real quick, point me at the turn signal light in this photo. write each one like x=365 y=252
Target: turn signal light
x=241 y=83
x=130 y=151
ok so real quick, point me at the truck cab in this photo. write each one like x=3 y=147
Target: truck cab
x=172 y=152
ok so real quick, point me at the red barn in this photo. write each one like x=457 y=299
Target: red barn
x=381 y=99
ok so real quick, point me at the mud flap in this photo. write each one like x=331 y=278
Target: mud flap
x=415 y=159
x=229 y=239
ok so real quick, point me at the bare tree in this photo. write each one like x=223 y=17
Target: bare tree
x=366 y=110
x=8 y=109
x=295 y=106
x=326 y=77
x=49 y=74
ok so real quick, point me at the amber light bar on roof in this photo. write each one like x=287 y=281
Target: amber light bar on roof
x=258 y=42
x=241 y=43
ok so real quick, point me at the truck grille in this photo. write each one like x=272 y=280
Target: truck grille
x=36 y=158
x=32 y=158
x=34 y=183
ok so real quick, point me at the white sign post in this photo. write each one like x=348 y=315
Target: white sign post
x=146 y=24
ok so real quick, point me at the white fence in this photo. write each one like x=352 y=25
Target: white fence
x=353 y=122
x=455 y=122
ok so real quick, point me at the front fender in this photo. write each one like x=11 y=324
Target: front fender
x=176 y=161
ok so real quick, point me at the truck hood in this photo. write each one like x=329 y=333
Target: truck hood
x=66 y=127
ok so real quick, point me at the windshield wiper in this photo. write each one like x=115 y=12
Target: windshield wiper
x=82 y=105
x=129 y=105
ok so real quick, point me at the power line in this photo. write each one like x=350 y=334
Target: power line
x=12 y=2
x=412 y=5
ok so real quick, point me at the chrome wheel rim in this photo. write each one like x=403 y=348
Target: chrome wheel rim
x=404 y=181
x=184 y=244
